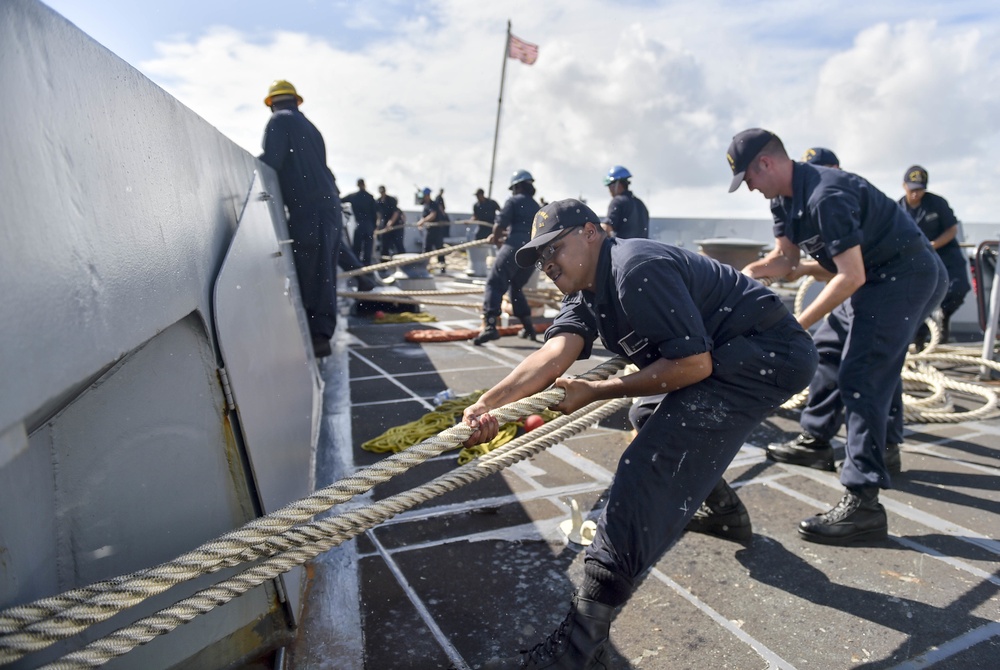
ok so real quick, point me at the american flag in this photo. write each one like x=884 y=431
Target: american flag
x=523 y=51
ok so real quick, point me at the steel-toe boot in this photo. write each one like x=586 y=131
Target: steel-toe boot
x=805 y=449
x=489 y=332
x=858 y=517
x=577 y=644
x=722 y=514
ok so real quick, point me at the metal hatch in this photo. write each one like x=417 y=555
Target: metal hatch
x=275 y=390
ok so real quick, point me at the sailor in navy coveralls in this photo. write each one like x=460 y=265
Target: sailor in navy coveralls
x=295 y=149
x=511 y=230
x=720 y=345
x=873 y=256
x=934 y=217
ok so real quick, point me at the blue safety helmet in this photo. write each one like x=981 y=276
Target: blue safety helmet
x=616 y=173
x=519 y=177
x=426 y=191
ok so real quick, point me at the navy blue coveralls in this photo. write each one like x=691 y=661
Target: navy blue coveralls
x=824 y=410
x=485 y=211
x=934 y=216
x=862 y=348
x=435 y=234
x=515 y=218
x=652 y=300
x=392 y=238
x=628 y=216
x=295 y=149
x=363 y=208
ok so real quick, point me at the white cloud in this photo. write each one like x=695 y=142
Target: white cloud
x=915 y=93
x=660 y=89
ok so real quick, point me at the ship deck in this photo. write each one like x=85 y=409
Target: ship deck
x=486 y=570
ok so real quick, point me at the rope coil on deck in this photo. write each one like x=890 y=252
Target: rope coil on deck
x=918 y=374
x=35 y=626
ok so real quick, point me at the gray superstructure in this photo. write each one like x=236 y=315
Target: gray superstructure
x=156 y=387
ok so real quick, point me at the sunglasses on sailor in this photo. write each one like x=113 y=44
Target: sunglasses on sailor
x=546 y=254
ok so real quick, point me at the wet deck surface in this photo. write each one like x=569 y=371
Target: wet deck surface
x=485 y=570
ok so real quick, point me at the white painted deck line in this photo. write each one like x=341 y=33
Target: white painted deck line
x=496 y=501
x=935 y=453
x=953 y=562
x=442 y=639
x=392 y=379
x=773 y=660
x=950 y=648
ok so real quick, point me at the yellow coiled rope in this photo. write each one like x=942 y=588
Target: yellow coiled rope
x=398 y=438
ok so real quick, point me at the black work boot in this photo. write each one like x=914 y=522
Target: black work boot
x=321 y=346
x=577 y=644
x=893 y=460
x=723 y=515
x=859 y=517
x=528 y=332
x=489 y=332
x=805 y=449
x=365 y=283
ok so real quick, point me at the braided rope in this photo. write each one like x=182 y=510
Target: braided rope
x=306 y=542
x=538 y=297
x=394 y=293
x=938 y=406
x=404 y=300
x=410 y=297
x=412 y=259
x=37 y=625
x=466 y=222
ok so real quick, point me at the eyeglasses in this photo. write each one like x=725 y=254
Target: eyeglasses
x=546 y=254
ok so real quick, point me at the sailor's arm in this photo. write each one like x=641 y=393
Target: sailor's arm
x=535 y=373
x=849 y=278
x=662 y=376
x=777 y=263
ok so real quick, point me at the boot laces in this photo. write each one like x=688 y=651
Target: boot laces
x=704 y=511
x=847 y=506
x=550 y=646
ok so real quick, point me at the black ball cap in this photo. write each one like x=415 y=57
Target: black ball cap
x=743 y=149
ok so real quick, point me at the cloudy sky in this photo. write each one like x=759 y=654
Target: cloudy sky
x=405 y=92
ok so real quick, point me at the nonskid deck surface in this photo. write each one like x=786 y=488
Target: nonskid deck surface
x=485 y=570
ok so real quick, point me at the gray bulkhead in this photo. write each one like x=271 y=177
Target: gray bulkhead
x=118 y=446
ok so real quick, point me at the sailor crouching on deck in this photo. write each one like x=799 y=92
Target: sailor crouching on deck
x=723 y=349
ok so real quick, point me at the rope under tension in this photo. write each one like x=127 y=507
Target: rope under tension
x=449 y=249
x=35 y=626
x=308 y=541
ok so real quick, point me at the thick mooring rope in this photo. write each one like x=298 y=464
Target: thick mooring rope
x=464 y=222
x=401 y=298
x=412 y=259
x=308 y=541
x=35 y=626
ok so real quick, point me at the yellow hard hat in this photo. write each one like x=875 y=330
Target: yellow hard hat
x=281 y=87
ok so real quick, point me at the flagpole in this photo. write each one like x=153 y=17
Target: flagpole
x=496 y=131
